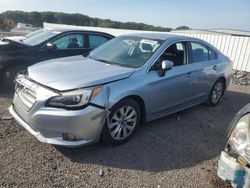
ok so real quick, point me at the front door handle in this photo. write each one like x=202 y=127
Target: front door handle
x=215 y=67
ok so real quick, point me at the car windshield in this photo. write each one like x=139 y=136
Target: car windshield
x=127 y=51
x=35 y=33
x=40 y=37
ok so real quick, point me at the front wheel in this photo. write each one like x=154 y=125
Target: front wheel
x=216 y=93
x=9 y=77
x=123 y=122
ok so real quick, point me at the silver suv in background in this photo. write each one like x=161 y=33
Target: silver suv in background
x=77 y=100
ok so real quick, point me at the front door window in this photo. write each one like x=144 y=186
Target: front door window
x=175 y=53
x=71 y=41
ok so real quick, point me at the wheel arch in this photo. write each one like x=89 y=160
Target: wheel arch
x=140 y=102
x=224 y=82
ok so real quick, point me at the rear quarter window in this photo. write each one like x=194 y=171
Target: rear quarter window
x=212 y=54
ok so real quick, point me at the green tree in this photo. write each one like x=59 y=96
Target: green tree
x=37 y=19
x=182 y=28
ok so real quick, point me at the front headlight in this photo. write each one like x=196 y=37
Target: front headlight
x=74 y=100
x=239 y=139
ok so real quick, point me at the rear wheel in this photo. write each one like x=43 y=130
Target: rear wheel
x=216 y=93
x=124 y=119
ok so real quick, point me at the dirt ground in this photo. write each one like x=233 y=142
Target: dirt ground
x=180 y=150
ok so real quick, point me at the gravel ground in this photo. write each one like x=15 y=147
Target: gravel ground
x=180 y=150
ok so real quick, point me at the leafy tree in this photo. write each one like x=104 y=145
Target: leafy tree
x=37 y=19
x=182 y=28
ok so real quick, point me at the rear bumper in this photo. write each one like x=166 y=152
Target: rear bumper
x=230 y=170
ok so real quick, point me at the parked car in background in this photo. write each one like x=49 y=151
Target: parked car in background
x=16 y=55
x=26 y=26
x=130 y=79
x=234 y=164
x=20 y=38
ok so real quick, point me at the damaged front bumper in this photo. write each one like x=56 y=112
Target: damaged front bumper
x=70 y=128
x=230 y=170
x=53 y=127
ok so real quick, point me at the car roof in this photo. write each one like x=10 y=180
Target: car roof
x=159 y=36
x=62 y=30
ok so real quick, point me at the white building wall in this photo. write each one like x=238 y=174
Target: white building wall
x=236 y=48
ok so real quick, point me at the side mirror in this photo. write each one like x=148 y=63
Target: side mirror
x=165 y=66
x=50 y=46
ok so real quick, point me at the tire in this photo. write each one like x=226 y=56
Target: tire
x=216 y=93
x=120 y=129
x=9 y=76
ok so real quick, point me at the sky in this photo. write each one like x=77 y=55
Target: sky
x=198 y=14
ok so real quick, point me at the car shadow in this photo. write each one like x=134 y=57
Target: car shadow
x=181 y=140
x=6 y=94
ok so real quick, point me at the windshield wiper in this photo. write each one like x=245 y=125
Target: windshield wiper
x=101 y=60
x=111 y=62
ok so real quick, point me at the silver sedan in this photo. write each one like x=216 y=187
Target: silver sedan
x=131 y=79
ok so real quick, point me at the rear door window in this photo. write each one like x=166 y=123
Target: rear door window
x=199 y=52
x=96 y=40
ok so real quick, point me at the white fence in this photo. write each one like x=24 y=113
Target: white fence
x=237 y=48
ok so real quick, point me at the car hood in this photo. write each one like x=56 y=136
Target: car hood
x=15 y=38
x=7 y=44
x=76 y=72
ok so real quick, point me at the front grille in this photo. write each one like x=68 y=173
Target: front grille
x=25 y=95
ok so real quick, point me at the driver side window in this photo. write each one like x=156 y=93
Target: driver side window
x=176 y=53
x=70 y=41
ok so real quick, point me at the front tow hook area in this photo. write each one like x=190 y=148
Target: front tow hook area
x=230 y=170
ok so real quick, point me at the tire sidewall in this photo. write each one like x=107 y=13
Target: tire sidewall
x=106 y=137
x=210 y=101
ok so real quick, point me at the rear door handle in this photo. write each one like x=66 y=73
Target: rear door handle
x=215 y=67
x=190 y=74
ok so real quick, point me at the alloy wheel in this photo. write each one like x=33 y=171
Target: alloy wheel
x=122 y=123
x=217 y=92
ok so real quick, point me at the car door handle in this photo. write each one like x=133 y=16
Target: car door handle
x=215 y=67
x=190 y=74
